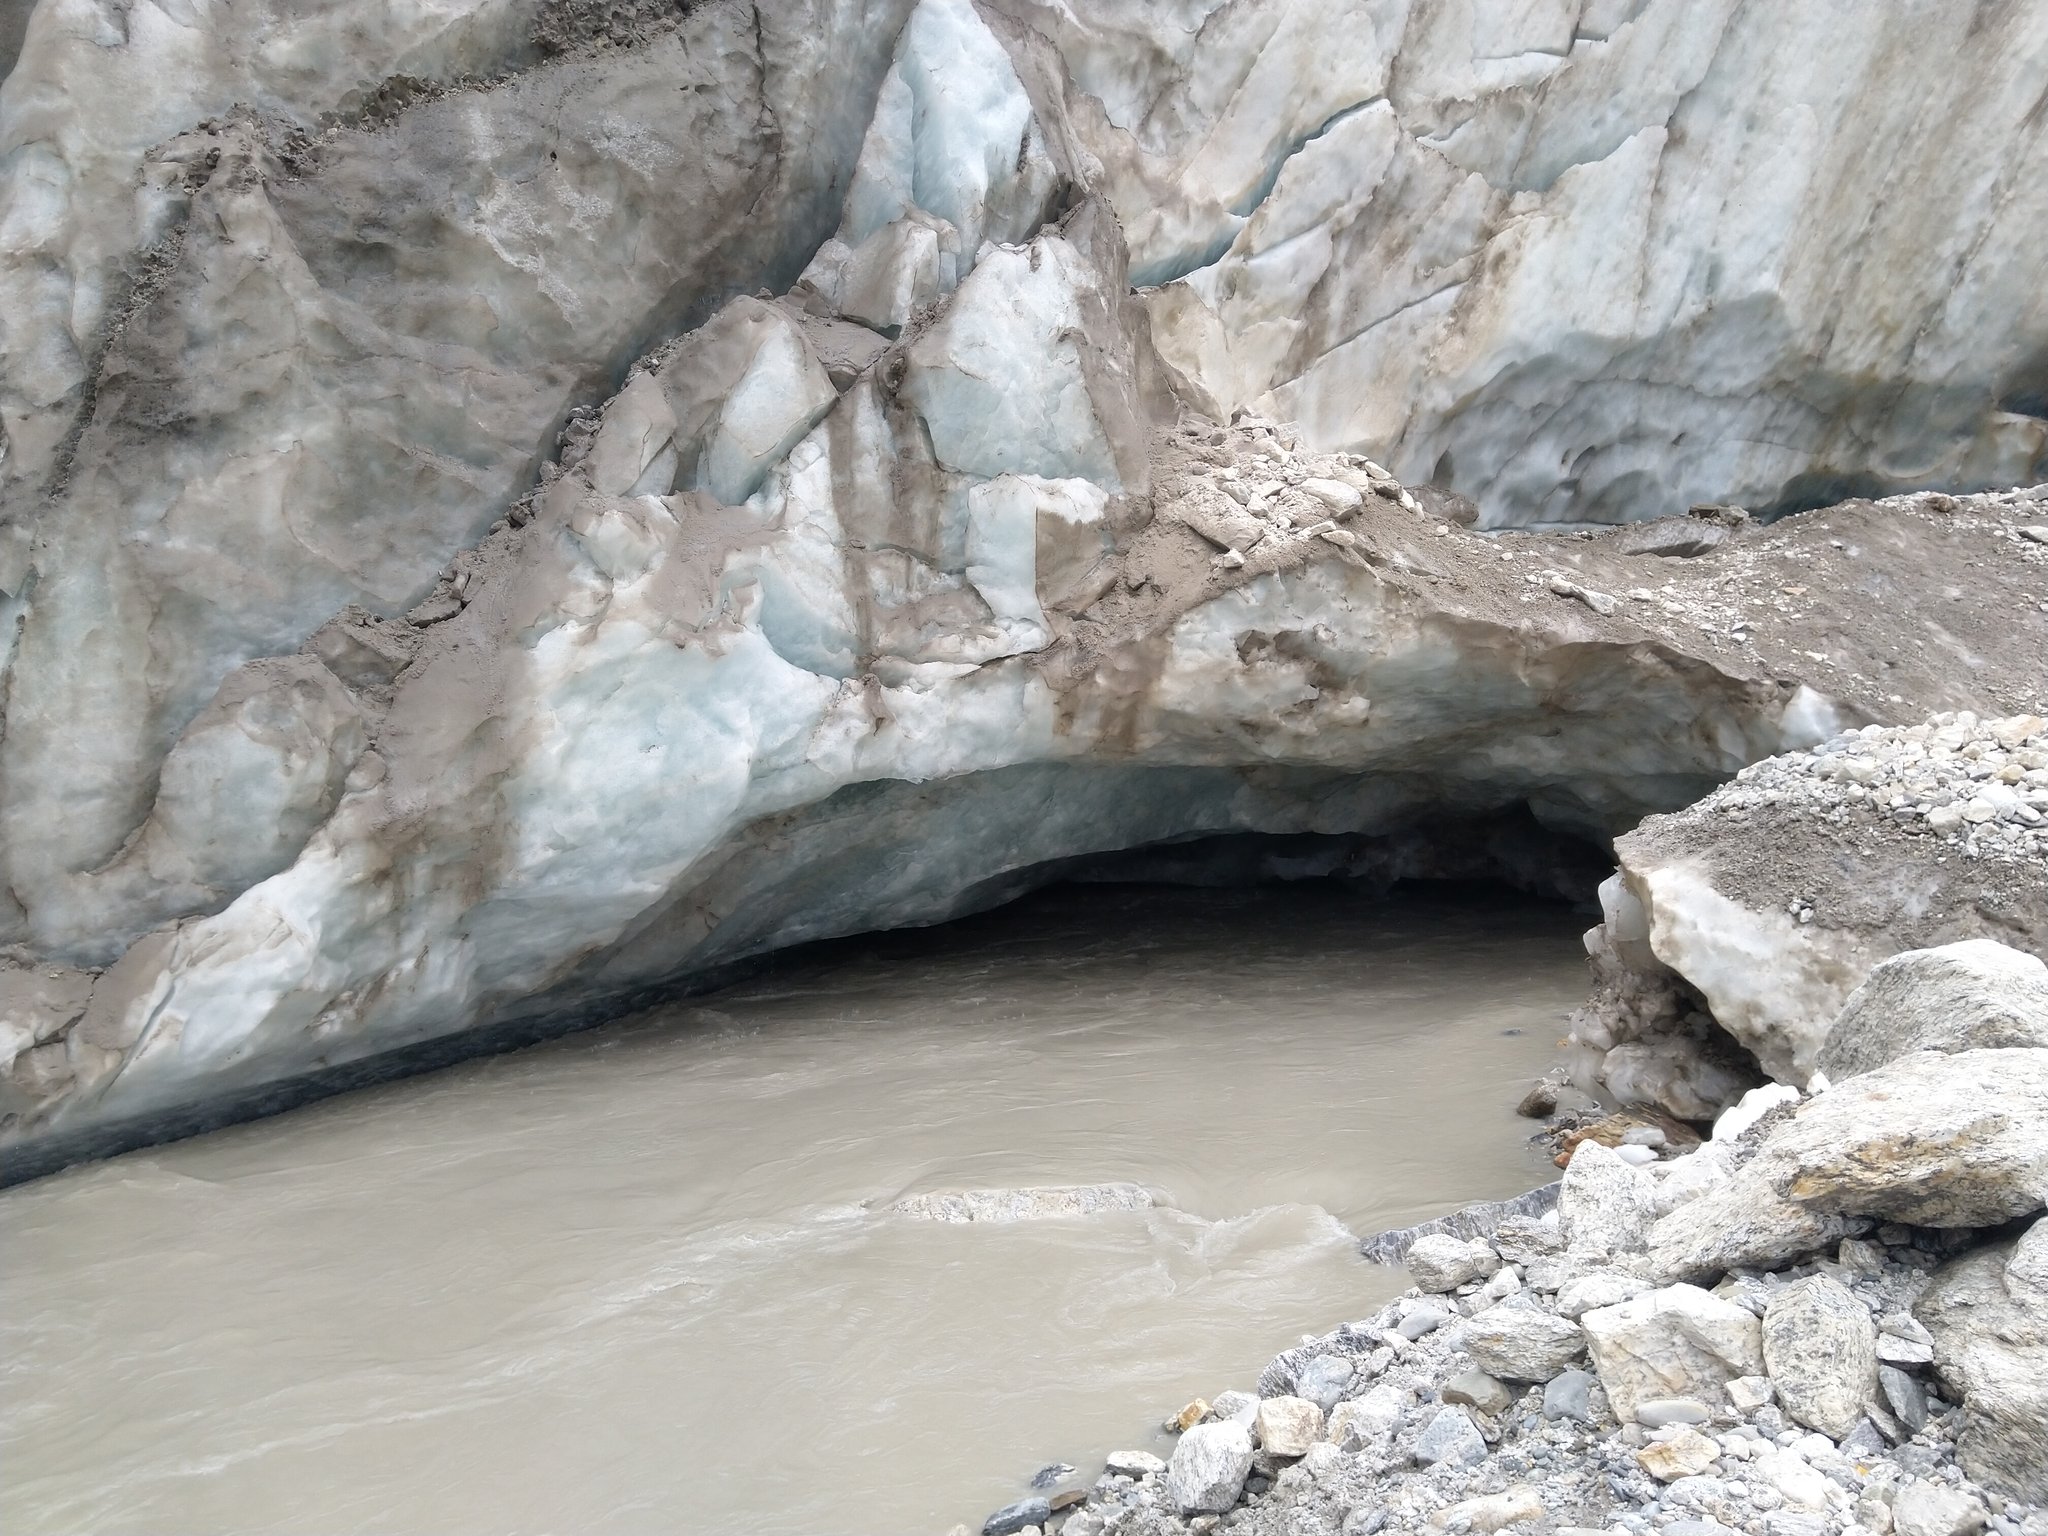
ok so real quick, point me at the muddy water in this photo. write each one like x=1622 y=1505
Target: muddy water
x=637 y=1281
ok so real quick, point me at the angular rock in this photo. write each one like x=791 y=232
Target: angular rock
x=1906 y=1398
x=1450 y=1437
x=1600 y=1288
x=1207 y=1470
x=1606 y=1205
x=1568 y=1395
x=1685 y=1452
x=1324 y=1380
x=1521 y=1343
x=1367 y=1420
x=1988 y=1313
x=1974 y=995
x=1676 y=1342
x=1933 y=1140
x=1820 y=1350
x=1440 y=1262
x=1288 y=1426
x=1928 y=1509
x=1240 y=1408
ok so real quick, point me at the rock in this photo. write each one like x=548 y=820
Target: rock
x=1988 y=1315
x=1675 y=538
x=1207 y=1470
x=1568 y=1395
x=1339 y=498
x=1515 y=1505
x=1521 y=1343
x=1324 y=1380
x=1139 y=1464
x=1685 y=1452
x=1927 y=1509
x=1799 y=1484
x=1012 y=1518
x=1288 y=1426
x=1478 y=1390
x=1820 y=1350
x=1443 y=1263
x=1746 y=1394
x=1605 y=1206
x=1539 y=1101
x=1240 y=1408
x=1972 y=995
x=1450 y=1438
x=1189 y=1416
x=1419 y=1320
x=1676 y=1342
x=1906 y=1398
x=1050 y=1475
x=1367 y=1420
x=1600 y=1288
x=1658 y=1412
x=1933 y=1140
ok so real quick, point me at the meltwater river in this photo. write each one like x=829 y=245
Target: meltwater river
x=643 y=1279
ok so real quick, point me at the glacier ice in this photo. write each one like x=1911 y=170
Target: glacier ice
x=366 y=683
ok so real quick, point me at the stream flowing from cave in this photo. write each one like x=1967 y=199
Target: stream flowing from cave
x=643 y=1278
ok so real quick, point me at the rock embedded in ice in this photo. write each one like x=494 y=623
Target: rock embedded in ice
x=1965 y=996
x=1820 y=1351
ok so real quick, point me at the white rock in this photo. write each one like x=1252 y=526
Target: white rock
x=1676 y=1342
x=1208 y=1468
x=1964 y=996
x=1288 y=1426
x=1521 y=1343
x=1606 y=1206
x=1926 y=1509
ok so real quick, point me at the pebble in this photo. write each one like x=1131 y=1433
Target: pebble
x=1656 y=1412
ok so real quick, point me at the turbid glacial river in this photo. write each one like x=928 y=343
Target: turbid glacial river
x=634 y=1281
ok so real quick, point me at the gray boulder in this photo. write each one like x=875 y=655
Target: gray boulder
x=1440 y=1262
x=1522 y=1343
x=1451 y=1437
x=1820 y=1348
x=1927 y=1509
x=1933 y=1140
x=1677 y=1342
x=1208 y=1468
x=1988 y=1312
x=1975 y=995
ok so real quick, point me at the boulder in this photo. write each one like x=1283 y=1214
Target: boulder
x=1606 y=1204
x=1522 y=1343
x=1478 y=1390
x=1440 y=1262
x=1676 y=1342
x=1599 y=1288
x=1493 y=1511
x=1988 y=1313
x=1820 y=1348
x=1367 y=1420
x=1933 y=1140
x=1025 y=1514
x=1974 y=995
x=1928 y=1509
x=1208 y=1468
x=1288 y=1426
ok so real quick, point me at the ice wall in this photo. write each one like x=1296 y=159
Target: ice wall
x=364 y=682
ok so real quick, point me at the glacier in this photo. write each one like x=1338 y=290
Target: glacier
x=512 y=506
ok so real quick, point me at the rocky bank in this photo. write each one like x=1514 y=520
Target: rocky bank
x=1828 y=1319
